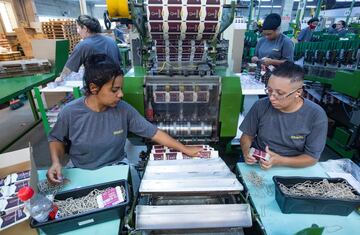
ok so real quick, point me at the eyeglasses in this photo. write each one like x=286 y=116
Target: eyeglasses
x=278 y=96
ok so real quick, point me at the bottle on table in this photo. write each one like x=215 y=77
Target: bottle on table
x=38 y=205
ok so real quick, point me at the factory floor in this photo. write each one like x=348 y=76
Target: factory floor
x=13 y=122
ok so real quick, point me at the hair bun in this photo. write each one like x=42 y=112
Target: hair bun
x=92 y=60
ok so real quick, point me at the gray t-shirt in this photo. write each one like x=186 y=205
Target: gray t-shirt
x=98 y=139
x=288 y=134
x=342 y=32
x=95 y=44
x=282 y=48
x=305 y=35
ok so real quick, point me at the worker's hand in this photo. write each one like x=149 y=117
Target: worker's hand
x=254 y=59
x=273 y=161
x=249 y=159
x=54 y=173
x=193 y=151
x=59 y=79
x=267 y=61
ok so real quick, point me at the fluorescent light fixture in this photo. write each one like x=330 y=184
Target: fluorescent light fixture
x=311 y=6
x=270 y=6
x=100 y=5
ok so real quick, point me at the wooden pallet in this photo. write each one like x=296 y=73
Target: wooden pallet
x=5 y=44
x=13 y=55
x=24 y=67
x=62 y=29
x=24 y=36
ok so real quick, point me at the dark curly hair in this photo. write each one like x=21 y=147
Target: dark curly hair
x=100 y=69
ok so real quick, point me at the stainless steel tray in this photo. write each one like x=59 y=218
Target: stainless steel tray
x=193 y=216
x=200 y=176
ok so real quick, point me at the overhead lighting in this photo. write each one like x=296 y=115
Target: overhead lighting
x=270 y=6
x=100 y=5
x=311 y=6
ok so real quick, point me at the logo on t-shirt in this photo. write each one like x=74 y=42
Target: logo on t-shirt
x=118 y=132
x=297 y=137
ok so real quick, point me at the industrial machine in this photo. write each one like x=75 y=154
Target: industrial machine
x=190 y=196
x=180 y=80
x=333 y=74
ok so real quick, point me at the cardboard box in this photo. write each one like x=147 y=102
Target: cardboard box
x=52 y=98
x=22 y=228
x=12 y=162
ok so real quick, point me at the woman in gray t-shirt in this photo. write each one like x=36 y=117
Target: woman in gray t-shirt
x=274 y=48
x=96 y=126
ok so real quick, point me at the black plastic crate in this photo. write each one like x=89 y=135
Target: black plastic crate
x=92 y=217
x=312 y=205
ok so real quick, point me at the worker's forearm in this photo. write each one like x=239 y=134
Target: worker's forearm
x=57 y=151
x=277 y=62
x=164 y=139
x=302 y=160
x=65 y=72
x=245 y=143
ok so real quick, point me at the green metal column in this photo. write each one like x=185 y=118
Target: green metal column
x=77 y=92
x=318 y=8
x=42 y=110
x=348 y=16
x=32 y=105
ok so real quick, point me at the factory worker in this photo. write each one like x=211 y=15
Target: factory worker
x=94 y=128
x=93 y=42
x=306 y=34
x=341 y=28
x=290 y=128
x=273 y=48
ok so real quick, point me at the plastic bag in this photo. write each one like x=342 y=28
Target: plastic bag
x=342 y=166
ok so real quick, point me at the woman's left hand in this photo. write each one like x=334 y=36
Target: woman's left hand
x=193 y=151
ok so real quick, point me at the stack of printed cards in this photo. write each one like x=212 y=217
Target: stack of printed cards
x=258 y=154
x=159 y=152
x=11 y=208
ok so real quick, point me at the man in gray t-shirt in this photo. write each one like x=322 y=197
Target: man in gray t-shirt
x=98 y=139
x=291 y=129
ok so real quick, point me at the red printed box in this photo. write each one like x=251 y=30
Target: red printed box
x=258 y=154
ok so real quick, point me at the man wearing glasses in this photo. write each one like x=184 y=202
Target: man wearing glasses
x=291 y=129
